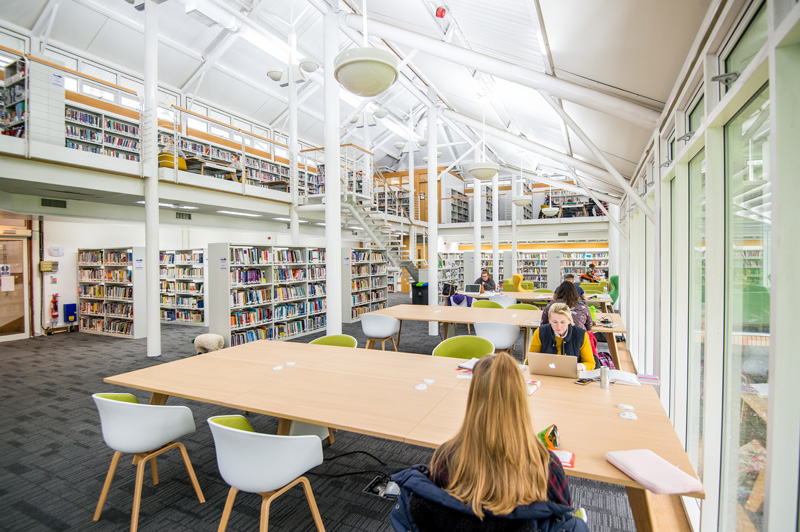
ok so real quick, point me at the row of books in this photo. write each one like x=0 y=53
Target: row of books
x=121 y=142
x=91 y=291
x=121 y=127
x=316 y=306
x=316 y=322
x=286 y=274
x=250 y=317
x=80 y=133
x=251 y=335
x=249 y=255
x=188 y=286
x=119 y=327
x=92 y=307
x=118 y=258
x=186 y=272
x=316 y=290
x=195 y=257
x=118 y=276
x=119 y=292
x=83 y=147
x=316 y=255
x=292 y=328
x=91 y=276
x=241 y=298
x=120 y=309
x=288 y=256
x=128 y=156
x=293 y=310
x=189 y=316
x=360 y=271
x=83 y=117
x=90 y=257
x=249 y=276
x=91 y=324
x=288 y=292
x=188 y=302
x=316 y=273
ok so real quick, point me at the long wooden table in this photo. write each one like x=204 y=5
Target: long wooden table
x=604 y=300
x=451 y=315
x=374 y=393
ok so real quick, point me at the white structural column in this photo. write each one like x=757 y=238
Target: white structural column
x=333 y=205
x=150 y=170
x=294 y=222
x=412 y=233
x=496 y=229
x=433 y=213
x=477 y=221
x=516 y=190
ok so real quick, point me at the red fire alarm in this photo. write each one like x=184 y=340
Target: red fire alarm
x=440 y=11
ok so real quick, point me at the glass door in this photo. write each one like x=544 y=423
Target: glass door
x=13 y=290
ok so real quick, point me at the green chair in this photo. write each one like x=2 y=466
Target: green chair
x=527 y=286
x=592 y=290
x=543 y=290
x=483 y=303
x=523 y=306
x=464 y=347
x=613 y=288
x=597 y=287
x=341 y=340
x=508 y=285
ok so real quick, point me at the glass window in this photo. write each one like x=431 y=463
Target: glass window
x=220 y=132
x=219 y=117
x=697 y=114
x=166 y=114
x=672 y=148
x=194 y=123
x=61 y=59
x=697 y=310
x=99 y=73
x=71 y=84
x=747 y=325
x=132 y=84
x=9 y=41
x=97 y=92
x=128 y=101
x=166 y=99
x=751 y=41
x=199 y=109
x=244 y=126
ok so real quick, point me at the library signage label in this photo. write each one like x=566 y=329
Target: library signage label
x=223 y=263
x=138 y=264
x=5 y=269
x=58 y=80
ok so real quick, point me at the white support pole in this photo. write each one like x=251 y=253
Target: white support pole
x=366 y=158
x=621 y=181
x=433 y=213
x=516 y=190
x=477 y=221
x=150 y=169
x=412 y=233
x=496 y=229
x=333 y=205
x=294 y=221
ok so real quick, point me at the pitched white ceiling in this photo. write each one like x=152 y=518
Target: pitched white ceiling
x=633 y=49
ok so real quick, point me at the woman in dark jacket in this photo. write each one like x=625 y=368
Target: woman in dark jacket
x=567 y=293
x=494 y=473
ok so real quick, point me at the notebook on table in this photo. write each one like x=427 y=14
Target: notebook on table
x=555 y=365
x=472 y=289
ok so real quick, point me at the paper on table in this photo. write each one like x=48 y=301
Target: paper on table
x=469 y=364
x=6 y=283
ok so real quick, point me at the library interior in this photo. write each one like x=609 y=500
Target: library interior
x=205 y=205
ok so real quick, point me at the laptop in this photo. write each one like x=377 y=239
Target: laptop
x=555 y=365
x=472 y=289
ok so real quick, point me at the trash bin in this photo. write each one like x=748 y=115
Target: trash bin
x=419 y=294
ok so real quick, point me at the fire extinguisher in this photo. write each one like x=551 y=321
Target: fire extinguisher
x=54 y=309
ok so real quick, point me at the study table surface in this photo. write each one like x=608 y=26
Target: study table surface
x=604 y=300
x=373 y=392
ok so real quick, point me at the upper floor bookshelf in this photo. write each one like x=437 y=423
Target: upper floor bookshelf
x=13 y=99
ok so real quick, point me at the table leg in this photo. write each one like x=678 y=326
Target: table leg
x=526 y=344
x=283 y=426
x=640 y=508
x=400 y=328
x=159 y=399
x=612 y=348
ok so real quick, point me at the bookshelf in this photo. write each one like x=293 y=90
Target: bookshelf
x=576 y=262
x=532 y=265
x=265 y=292
x=13 y=112
x=459 y=207
x=528 y=212
x=111 y=292
x=393 y=280
x=103 y=133
x=751 y=262
x=487 y=264
x=451 y=269
x=182 y=286
x=364 y=283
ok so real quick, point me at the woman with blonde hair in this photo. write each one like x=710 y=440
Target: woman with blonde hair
x=494 y=473
x=562 y=337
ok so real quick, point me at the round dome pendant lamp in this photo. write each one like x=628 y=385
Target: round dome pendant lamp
x=550 y=211
x=365 y=71
x=521 y=200
x=483 y=170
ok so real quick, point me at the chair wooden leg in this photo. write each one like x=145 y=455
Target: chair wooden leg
x=137 y=494
x=226 y=513
x=312 y=503
x=190 y=469
x=370 y=343
x=154 y=471
x=330 y=436
x=107 y=485
x=383 y=344
x=393 y=342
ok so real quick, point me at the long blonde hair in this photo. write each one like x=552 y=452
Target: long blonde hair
x=561 y=308
x=495 y=462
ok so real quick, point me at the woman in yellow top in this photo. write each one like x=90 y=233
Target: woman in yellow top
x=562 y=337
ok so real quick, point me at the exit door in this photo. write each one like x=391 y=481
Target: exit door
x=13 y=289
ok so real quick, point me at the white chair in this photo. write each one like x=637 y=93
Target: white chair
x=504 y=300
x=502 y=335
x=377 y=327
x=146 y=431
x=263 y=463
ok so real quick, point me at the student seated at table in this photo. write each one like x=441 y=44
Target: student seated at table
x=581 y=294
x=495 y=472
x=590 y=275
x=562 y=337
x=486 y=281
x=567 y=293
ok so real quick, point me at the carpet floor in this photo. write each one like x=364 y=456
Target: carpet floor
x=53 y=459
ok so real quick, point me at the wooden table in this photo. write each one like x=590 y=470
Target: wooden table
x=527 y=297
x=374 y=394
x=451 y=315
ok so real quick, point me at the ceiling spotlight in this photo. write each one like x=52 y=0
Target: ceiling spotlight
x=275 y=74
x=365 y=71
x=309 y=64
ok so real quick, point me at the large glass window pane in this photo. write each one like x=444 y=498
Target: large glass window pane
x=747 y=295
x=697 y=114
x=750 y=42
x=697 y=310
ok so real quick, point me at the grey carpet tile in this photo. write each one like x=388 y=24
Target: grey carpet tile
x=53 y=461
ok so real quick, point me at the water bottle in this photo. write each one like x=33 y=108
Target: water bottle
x=604 y=383
x=592 y=311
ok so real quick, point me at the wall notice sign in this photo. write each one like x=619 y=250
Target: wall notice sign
x=5 y=269
x=223 y=263
x=138 y=264
x=57 y=80
x=6 y=284
x=347 y=261
x=53 y=279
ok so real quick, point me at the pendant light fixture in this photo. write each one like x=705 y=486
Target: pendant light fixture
x=522 y=200
x=365 y=71
x=483 y=170
x=550 y=211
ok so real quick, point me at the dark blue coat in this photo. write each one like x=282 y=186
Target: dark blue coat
x=422 y=506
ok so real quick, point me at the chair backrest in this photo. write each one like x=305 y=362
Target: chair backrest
x=543 y=290
x=131 y=427
x=592 y=290
x=519 y=286
x=504 y=301
x=613 y=288
x=484 y=303
x=465 y=301
x=523 y=306
x=258 y=463
x=341 y=340
x=464 y=347
x=502 y=335
x=379 y=326
x=508 y=285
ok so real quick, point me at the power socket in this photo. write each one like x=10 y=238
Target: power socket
x=383 y=488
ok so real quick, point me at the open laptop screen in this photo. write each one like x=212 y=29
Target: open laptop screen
x=472 y=289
